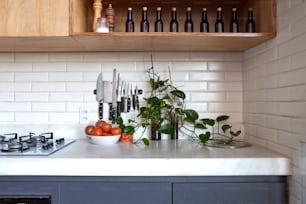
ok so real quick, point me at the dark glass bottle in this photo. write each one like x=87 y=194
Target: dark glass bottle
x=159 y=26
x=250 y=24
x=173 y=23
x=129 y=25
x=234 y=26
x=219 y=26
x=144 y=24
x=188 y=22
x=204 y=26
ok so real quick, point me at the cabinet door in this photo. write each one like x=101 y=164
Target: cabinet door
x=34 y=18
x=229 y=193
x=115 y=193
x=29 y=188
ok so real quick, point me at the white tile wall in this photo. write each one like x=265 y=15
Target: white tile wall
x=49 y=88
x=274 y=82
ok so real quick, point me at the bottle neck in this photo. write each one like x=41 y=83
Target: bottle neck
x=188 y=15
x=234 y=16
x=173 y=15
x=130 y=15
x=144 y=15
x=204 y=15
x=158 y=15
x=219 y=15
x=250 y=15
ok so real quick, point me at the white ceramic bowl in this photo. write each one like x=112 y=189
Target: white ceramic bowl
x=103 y=140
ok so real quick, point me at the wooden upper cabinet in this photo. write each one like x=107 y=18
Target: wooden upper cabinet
x=34 y=18
x=66 y=25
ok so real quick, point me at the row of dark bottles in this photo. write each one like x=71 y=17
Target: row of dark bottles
x=174 y=25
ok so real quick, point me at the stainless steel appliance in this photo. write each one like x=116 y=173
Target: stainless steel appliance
x=31 y=144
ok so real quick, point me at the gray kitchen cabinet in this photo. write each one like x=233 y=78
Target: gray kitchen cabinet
x=150 y=189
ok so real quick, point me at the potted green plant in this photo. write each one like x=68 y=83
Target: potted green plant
x=160 y=106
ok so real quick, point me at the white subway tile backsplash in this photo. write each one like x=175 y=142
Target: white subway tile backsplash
x=7 y=117
x=225 y=107
x=224 y=66
x=16 y=67
x=84 y=67
x=49 y=67
x=66 y=57
x=48 y=86
x=267 y=108
x=295 y=77
x=233 y=76
x=208 y=76
x=31 y=96
x=120 y=66
x=31 y=76
x=14 y=106
x=224 y=86
x=80 y=86
x=189 y=66
x=7 y=57
x=191 y=86
x=292 y=46
x=31 y=57
x=66 y=96
x=48 y=107
x=65 y=76
x=208 y=56
x=11 y=87
x=6 y=76
x=7 y=96
x=59 y=118
x=293 y=109
x=100 y=56
x=203 y=97
x=31 y=117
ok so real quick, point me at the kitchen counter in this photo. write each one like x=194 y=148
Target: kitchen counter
x=161 y=158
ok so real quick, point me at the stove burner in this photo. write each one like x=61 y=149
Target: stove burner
x=31 y=144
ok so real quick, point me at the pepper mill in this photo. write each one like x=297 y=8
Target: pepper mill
x=110 y=15
x=97 y=8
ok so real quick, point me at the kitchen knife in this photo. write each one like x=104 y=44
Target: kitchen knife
x=129 y=97
x=119 y=87
x=124 y=97
x=136 y=98
x=114 y=97
x=99 y=91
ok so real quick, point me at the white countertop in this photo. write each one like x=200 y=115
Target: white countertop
x=161 y=158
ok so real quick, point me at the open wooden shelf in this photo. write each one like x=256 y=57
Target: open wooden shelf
x=81 y=38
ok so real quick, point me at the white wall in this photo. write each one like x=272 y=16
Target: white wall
x=274 y=82
x=49 y=88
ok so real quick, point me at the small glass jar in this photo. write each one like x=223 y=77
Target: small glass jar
x=102 y=26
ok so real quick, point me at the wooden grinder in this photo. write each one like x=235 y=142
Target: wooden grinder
x=110 y=14
x=97 y=8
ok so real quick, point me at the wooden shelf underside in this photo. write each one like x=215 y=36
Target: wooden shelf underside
x=121 y=41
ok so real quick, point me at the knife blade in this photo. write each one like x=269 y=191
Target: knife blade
x=114 y=97
x=99 y=91
x=119 y=87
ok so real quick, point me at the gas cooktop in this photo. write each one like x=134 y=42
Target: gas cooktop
x=12 y=144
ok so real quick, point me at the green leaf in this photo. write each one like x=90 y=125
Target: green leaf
x=204 y=137
x=179 y=111
x=208 y=121
x=191 y=115
x=130 y=130
x=178 y=93
x=200 y=126
x=226 y=127
x=145 y=141
x=235 y=134
x=222 y=118
x=119 y=120
x=166 y=129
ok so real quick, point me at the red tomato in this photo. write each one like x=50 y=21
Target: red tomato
x=115 y=131
x=98 y=131
x=89 y=129
x=106 y=127
x=99 y=123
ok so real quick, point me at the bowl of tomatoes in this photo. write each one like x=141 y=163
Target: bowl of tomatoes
x=102 y=133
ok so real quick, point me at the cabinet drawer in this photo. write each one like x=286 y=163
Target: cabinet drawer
x=229 y=193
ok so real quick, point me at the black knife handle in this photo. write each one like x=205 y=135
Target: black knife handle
x=118 y=108
x=110 y=112
x=134 y=101
x=129 y=102
x=100 y=110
